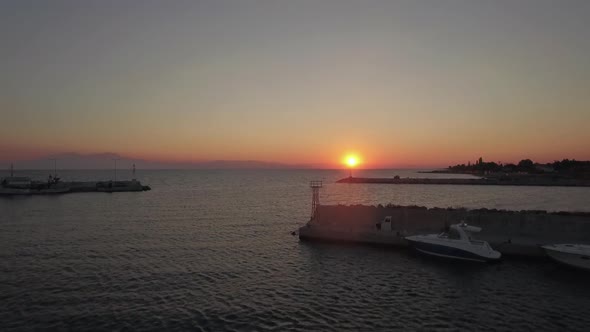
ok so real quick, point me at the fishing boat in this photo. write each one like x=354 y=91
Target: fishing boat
x=574 y=255
x=11 y=186
x=15 y=185
x=455 y=243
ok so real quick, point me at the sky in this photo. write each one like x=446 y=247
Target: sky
x=400 y=83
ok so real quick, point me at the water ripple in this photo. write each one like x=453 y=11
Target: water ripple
x=212 y=252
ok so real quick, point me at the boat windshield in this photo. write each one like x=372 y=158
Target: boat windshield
x=453 y=234
x=450 y=234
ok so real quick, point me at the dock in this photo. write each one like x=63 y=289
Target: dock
x=513 y=233
x=24 y=186
x=107 y=186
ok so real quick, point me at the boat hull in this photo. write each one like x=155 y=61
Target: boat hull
x=445 y=251
x=14 y=191
x=576 y=260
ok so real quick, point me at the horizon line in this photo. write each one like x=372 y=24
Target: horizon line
x=230 y=169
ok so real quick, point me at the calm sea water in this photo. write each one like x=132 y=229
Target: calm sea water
x=212 y=251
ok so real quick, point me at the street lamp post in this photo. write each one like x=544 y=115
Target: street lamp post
x=54 y=166
x=116 y=167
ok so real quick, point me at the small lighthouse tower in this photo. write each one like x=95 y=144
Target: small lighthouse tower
x=315 y=200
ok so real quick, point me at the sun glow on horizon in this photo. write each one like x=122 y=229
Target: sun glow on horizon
x=351 y=160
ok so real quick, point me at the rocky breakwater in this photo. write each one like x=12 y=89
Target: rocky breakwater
x=545 y=181
x=107 y=186
x=510 y=232
x=54 y=188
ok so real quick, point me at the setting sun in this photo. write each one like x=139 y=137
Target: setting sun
x=352 y=161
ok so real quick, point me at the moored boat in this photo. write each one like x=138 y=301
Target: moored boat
x=456 y=243
x=14 y=191
x=15 y=185
x=574 y=255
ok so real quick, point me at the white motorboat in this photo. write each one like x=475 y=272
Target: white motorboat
x=575 y=255
x=455 y=243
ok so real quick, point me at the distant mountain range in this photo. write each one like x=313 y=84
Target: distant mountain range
x=107 y=161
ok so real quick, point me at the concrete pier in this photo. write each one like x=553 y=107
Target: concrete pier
x=519 y=233
x=107 y=186
x=43 y=188
x=493 y=181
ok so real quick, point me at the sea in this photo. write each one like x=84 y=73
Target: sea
x=213 y=250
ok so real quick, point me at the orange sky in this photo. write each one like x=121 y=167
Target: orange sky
x=370 y=156
x=402 y=83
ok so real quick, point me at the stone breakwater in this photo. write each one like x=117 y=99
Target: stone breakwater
x=491 y=181
x=44 y=188
x=107 y=186
x=510 y=232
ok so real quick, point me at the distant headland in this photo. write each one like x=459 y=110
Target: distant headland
x=566 y=168
x=79 y=161
x=567 y=173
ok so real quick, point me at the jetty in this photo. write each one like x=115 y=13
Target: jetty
x=22 y=185
x=486 y=181
x=11 y=186
x=513 y=233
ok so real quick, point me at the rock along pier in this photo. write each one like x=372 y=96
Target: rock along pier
x=518 y=233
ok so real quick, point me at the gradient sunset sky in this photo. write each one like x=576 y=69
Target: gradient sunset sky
x=420 y=83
